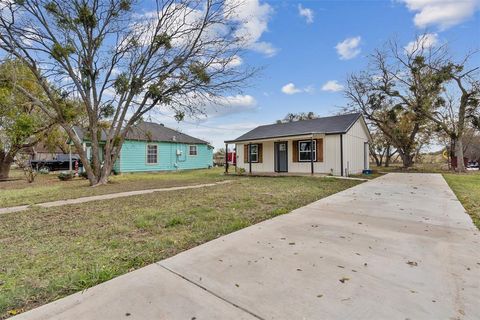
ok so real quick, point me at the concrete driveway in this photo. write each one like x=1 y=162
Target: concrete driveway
x=398 y=247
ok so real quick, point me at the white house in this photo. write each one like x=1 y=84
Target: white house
x=335 y=145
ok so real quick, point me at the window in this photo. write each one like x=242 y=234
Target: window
x=304 y=150
x=152 y=154
x=193 y=150
x=254 y=153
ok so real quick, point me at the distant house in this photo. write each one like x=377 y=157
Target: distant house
x=335 y=145
x=153 y=147
x=42 y=152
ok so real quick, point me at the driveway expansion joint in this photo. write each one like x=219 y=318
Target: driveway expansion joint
x=210 y=292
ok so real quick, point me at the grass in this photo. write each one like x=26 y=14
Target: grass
x=417 y=168
x=467 y=189
x=49 y=253
x=47 y=187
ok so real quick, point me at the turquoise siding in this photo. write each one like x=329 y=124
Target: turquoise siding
x=133 y=157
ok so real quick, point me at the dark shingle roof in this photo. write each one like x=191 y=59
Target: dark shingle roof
x=326 y=125
x=150 y=131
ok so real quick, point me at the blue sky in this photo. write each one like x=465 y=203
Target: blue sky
x=308 y=48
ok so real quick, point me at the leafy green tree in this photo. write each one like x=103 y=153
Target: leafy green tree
x=22 y=124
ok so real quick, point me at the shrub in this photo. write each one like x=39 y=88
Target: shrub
x=83 y=175
x=65 y=176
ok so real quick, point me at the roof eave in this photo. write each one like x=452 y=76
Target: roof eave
x=275 y=137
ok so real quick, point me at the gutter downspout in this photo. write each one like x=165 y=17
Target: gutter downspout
x=341 y=154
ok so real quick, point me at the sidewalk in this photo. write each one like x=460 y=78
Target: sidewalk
x=105 y=197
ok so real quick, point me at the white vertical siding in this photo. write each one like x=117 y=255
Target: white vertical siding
x=354 y=148
x=332 y=154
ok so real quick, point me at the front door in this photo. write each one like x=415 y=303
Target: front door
x=281 y=157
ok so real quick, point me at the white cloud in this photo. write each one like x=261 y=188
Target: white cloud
x=441 y=13
x=264 y=47
x=425 y=41
x=249 y=18
x=253 y=18
x=290 y=88
x=332 y=86
x=222 y=106
x=306 y=13
x=349 y=48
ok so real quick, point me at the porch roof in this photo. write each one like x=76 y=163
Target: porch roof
x=326 y=125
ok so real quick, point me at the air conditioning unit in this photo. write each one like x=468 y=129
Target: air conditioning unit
x=179 y=152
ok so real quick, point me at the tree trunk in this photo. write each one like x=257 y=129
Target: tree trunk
x=459 y=154
x=407 y=158
x=5 y=166
x=388 y=156
x=375 y=157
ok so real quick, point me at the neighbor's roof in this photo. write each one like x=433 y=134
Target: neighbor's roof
x=327 y=125
x=150 y=131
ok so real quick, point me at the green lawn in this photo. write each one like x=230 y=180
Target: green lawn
x=49 y=253
x=47 y=187
x=467 y=189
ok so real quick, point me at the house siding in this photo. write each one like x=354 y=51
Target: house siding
x=133 y=157
x=268 y=164
x=353 y=153
x=354 y=148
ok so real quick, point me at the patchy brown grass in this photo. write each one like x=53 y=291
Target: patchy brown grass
x=49 y=253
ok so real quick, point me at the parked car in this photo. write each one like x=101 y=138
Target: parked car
x=61 y=162
x=473 y=166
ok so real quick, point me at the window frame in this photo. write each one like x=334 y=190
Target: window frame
x=314 y=142
x=251 y=154
x=190 y=150
x=147 y=154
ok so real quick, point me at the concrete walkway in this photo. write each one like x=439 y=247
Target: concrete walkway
x=107 y=196
x=398 y=247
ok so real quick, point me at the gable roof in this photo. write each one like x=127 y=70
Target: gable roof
x=149 y=131
x=326 y=125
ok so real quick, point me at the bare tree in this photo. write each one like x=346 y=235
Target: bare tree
x=291 y=117
x=456 y=105
x=381 y=149
x=397 y=92
x=121 y=64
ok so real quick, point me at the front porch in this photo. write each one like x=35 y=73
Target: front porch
x=297 y=155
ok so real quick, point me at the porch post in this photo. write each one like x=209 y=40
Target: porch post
x=250 y=157
x=226 y=158
x=311 y=153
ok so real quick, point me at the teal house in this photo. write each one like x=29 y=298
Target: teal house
x=153 y=147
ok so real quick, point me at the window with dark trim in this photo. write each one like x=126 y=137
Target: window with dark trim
x=254 y=153
x=305 y=151
x=192 y=150
x=152 y=154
